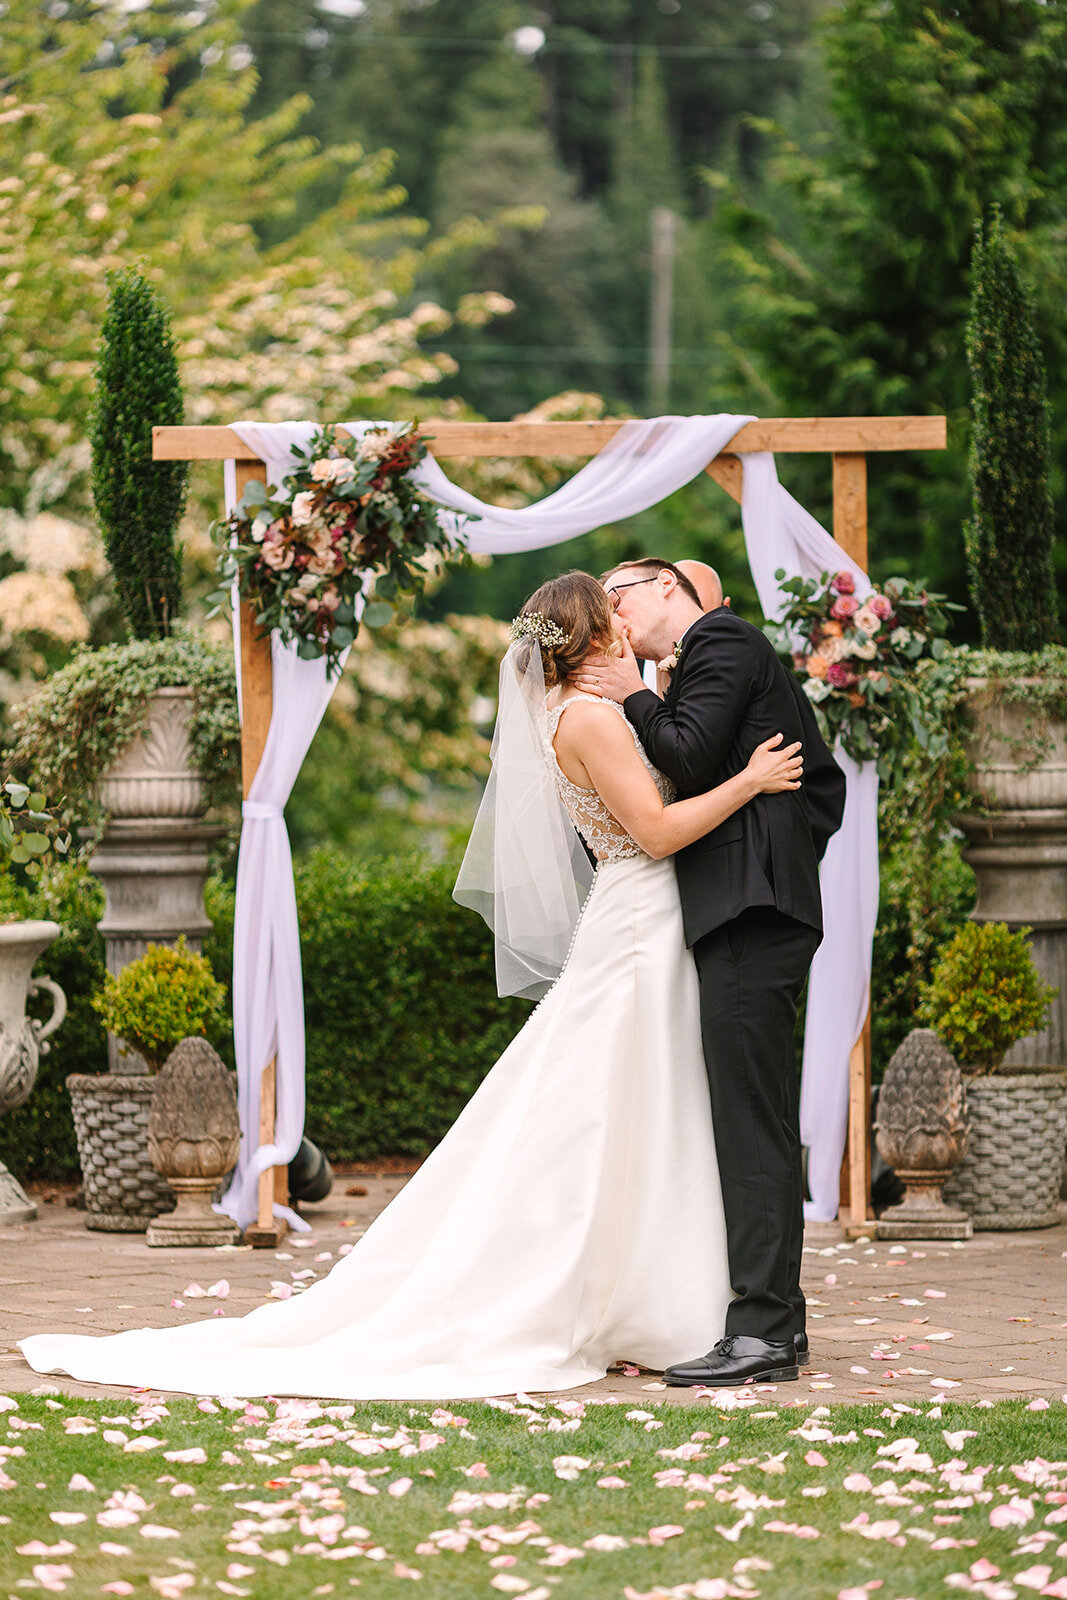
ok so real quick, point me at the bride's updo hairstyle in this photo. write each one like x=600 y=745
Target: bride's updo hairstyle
x=569 y=617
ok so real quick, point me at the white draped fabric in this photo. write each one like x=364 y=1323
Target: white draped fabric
x=644 y=463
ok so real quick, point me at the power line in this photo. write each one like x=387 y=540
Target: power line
x=766 y=51
x=624 y=355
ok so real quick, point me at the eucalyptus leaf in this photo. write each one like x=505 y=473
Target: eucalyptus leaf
x=377 y=614
x=19 y=792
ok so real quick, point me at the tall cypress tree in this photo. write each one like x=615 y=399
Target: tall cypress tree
x=138 y=501
x=1008 y=538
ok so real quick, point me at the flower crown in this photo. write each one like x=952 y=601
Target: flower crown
x=549 y=634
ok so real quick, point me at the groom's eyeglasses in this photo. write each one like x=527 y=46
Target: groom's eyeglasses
x=613 y=592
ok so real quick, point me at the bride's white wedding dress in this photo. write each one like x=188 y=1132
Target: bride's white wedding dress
x=571 y=1217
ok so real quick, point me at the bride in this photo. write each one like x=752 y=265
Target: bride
x=572 y=1215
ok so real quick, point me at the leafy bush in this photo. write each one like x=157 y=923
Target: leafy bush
x=984 y=994
x=403 y=1019
x=37 y=1140
x=138 y=501
x=70 y=730
x=161 y=998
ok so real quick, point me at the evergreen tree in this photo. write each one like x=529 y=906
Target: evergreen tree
x=138 y=501
x=846 y=268
x=549 y=252
x=1009 y=536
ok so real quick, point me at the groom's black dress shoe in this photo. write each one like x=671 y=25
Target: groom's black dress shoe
x=738 y=1359
x=800 y=1344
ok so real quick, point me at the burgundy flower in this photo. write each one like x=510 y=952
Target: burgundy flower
x=839 y=676
x=844 y=583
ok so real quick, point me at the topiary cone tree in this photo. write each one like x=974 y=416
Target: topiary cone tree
x=1008 y=539
x=138 y=501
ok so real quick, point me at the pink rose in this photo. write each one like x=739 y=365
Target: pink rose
x=844 y=583
x=880 y=606
x=277 y=554
x=844 y=606
x=839 y=676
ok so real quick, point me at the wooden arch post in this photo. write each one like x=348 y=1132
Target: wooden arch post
x=847 y=440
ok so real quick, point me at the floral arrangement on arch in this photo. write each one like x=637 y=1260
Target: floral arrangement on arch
x=304 y=552
x=869 y=667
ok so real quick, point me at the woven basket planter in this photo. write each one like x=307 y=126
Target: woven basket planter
x=123 y=1191
x=1010 y=1176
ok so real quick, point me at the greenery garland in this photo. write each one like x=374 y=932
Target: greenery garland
x=78 y=722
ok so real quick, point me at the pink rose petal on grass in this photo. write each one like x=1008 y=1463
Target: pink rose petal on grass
x=68 y=1519
x=1058 y=1589
x=982 y=1569
x=1039 y=1404
x=120 y=1586
x=814 y=1459
x=51 y=1575
x=79 y=1481
x=667 y=1530
x=1033 y=1577
x=1016 y=1514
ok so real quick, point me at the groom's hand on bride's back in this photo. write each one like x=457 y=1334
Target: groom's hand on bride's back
x=611 y=677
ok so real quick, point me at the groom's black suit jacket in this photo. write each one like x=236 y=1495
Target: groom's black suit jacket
x=728 y=693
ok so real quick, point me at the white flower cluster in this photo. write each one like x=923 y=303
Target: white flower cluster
x=548 y=634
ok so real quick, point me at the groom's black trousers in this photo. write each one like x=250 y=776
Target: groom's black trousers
x=752 y=970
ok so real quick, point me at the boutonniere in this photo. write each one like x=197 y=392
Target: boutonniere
x=669 y=663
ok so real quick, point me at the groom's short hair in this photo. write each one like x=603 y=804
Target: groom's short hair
x=651 y=565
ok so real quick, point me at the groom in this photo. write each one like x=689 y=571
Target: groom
x=753 y=919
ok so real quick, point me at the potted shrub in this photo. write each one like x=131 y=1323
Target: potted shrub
x=1014 y=689
x=167 y=995
x=985 y=994
x=28 y=833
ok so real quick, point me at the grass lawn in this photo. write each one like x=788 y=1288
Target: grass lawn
x=758 y=1495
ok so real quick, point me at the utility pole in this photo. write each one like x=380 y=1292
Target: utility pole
x=664 y=225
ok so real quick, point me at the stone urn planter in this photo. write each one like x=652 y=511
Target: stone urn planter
x=123 y=1191
x=921 y=1132
x=155 y=775
x=194 y=1135
x=22 y=1041
x=1010 y=1176
x=1017 y=846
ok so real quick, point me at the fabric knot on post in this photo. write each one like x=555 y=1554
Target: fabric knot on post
x=260 y=809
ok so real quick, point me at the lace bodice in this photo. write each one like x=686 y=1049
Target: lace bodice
x=601 y=832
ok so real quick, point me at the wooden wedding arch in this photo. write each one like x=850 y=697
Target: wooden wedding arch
x=847 y=440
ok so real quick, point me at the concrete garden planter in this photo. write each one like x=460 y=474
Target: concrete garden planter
x=1018 y=849
x=123 y=1191
x=1010 y=1176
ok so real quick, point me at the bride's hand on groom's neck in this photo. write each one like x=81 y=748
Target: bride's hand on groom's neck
x=611 y=677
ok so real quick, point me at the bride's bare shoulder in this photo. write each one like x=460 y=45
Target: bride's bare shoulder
x=590 y=719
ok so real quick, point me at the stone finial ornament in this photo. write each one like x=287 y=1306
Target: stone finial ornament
x=921 y=1133
x=193 y=1138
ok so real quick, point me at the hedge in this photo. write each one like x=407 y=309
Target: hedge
x=402 y=1016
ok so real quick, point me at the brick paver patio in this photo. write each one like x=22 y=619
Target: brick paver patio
x=980 y=1320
